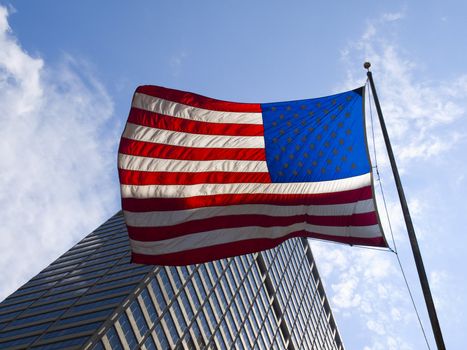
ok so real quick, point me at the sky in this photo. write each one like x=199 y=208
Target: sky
x=68 y=71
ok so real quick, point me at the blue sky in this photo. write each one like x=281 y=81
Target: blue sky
x=68 y=71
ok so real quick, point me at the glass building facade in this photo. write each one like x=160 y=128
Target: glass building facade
x=92 y=297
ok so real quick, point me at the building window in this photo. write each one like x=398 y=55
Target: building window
x=127 y=331
x=149 y=306
x=138 y=317
x=161 y=337
x=114 y=342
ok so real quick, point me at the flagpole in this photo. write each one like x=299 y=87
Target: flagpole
x=408 y=221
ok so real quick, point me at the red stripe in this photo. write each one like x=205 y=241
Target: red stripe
x=160 y=121
x=168 y=204
x=134 y=177
x=157 y=150
x=202 y=255
x=148 y=234
x=199 y=101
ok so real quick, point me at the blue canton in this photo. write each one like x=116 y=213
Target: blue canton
x=317 y=139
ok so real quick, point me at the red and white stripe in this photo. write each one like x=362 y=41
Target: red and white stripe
x=195 y=185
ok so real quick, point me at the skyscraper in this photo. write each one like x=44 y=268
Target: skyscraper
x=92 y=297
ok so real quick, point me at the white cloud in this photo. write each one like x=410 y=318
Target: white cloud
x=176 y=63
x=56 y=154
x=418 y=113
x=393 y=16
x=376 y=327
x=438 y=278
x=344 y=291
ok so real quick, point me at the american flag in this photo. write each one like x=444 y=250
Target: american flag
x=204 y=179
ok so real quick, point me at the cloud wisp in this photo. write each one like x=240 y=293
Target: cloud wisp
x=57 y=164
x=410 y=102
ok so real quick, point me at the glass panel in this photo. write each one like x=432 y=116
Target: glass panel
x=142 y=270
x=139 y=318
x=61 y=264
x=186 y=305
x=220 y=340
x=20 y=341
x=98 y=346
x=72 y=330
x=105 y=293
x=97 y=260
x=82 y=276
x=188 y=341
x=93 y=267
x=200 y=286
x=6 y=308
x=62 y=344
x=215 y=304
x=90 y=316
x=176 y=278
x=41 y=279
x=167 y=286
x=171 y=327
x=97 y=304
x=127 y=331
x=158 y=293
x=40 y=287
x=149 y=306
x=50 y=306
x=210 y=313
x=149 y=344
x=193 y=295
x=178 y=314
x=204 y=324
x=25 y=330
x=14 y=299
x=74 y=285
x=48 y=315
x=113 y=339
x=231 y=321
x=213 y=271
x=226 y=332
x=205 y=277
x=159 y=333
x=197 y=333
x=185 y=272
x=65 y=295
x=124 y=281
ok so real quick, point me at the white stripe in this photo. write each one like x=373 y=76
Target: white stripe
x=129 y=162
x=215 y=237
x=178 y=138
x=164 y=218
x=185 y=191
x=175 y=109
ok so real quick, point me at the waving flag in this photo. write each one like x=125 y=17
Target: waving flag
x=203 y=179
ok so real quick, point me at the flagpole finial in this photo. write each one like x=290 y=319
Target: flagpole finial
x=367 y=65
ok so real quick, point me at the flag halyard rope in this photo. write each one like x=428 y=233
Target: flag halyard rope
x=395 y=251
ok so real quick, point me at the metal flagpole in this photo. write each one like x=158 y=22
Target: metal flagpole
x=408 y=222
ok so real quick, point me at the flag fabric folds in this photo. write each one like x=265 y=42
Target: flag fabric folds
x=204 y=179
